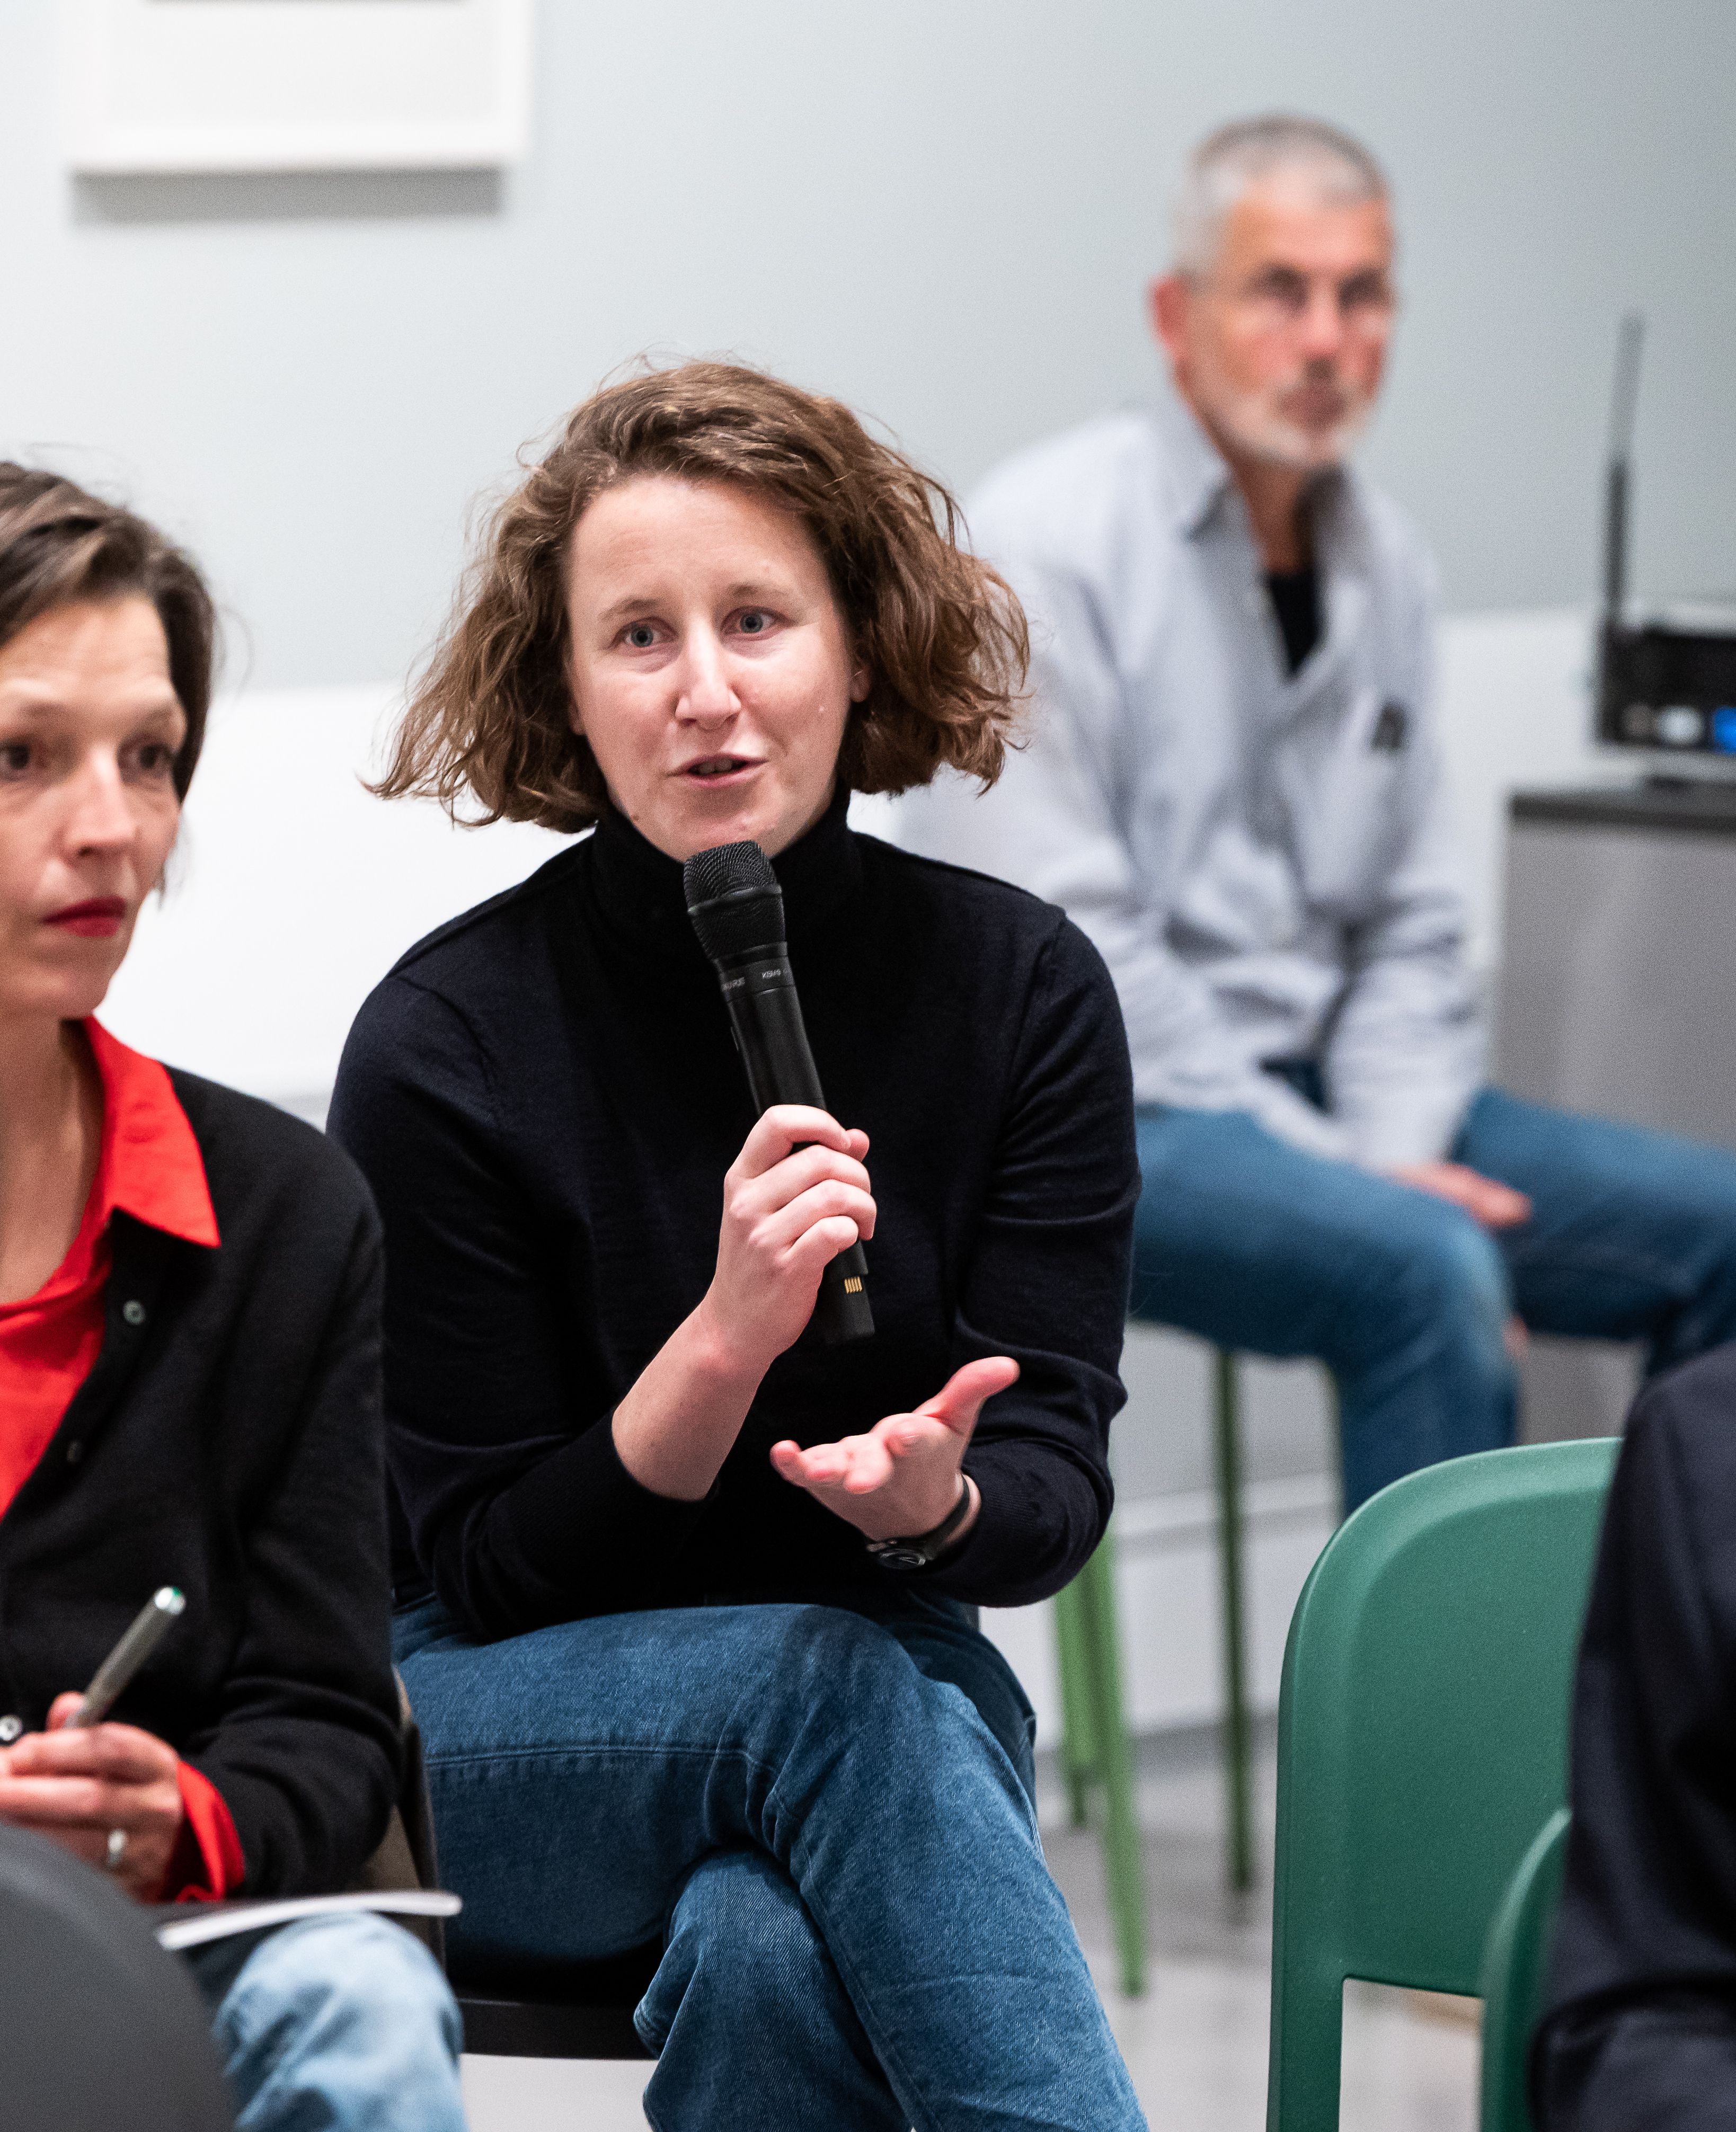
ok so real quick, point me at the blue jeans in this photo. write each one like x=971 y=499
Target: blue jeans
x=1253 y=1245
x=827 y=1819
x=333 y=2024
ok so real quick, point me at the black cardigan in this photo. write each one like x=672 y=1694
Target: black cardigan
x=544 y=1097
x=1641 y=2023
x=227 y=1440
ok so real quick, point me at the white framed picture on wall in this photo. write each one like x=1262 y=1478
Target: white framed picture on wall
x=203 y=85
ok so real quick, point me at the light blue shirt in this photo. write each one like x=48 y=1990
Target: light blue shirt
x=1264 y=862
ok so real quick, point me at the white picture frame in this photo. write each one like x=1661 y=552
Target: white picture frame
x=186 y=86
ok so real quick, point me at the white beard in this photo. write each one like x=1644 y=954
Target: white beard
x=1259 y=430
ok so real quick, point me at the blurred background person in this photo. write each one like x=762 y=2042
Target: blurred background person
x=1233 y=785
x=189 y=1381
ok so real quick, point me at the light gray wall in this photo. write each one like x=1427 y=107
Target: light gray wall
x=944 y=212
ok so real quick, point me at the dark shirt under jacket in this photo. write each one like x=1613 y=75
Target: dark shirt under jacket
x=544 y=1097
x=1641 y=2030
x=1295 y=602
x=228 y=1441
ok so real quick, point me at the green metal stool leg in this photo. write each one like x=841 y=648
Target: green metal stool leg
x=1123 y=1858
x=1338 y=1436
x=1079 y=1751
x=1238 y=1813
x=1095 y=1747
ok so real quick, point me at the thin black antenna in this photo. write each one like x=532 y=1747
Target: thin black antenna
x=1621 y=447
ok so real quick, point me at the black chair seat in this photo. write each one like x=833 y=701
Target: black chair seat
x=579 y=2010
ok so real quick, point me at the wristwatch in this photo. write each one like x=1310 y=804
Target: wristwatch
x=928 y=1547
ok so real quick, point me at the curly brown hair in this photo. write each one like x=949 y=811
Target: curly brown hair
x=60 y=545
x=942 y=634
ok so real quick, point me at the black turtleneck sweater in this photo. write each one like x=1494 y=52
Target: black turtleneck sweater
x=544 y=1097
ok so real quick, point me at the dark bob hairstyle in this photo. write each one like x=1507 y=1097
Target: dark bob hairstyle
x=60 y=545
x=941 y=634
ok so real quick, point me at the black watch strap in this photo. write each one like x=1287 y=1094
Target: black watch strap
x=926 y=1547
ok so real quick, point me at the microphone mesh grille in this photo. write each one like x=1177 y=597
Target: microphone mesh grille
x=734 y=901
x=729 y=866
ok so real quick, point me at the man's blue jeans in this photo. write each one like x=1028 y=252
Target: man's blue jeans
x=827 y=1819
x=1255 y=1245
x=338 y=2023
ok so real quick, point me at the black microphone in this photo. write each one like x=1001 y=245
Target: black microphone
x=738 y=910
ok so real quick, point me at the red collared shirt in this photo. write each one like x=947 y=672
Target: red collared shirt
x=149 y=1166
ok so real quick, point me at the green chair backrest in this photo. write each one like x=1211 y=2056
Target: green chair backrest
x=1515 y=1966
x=1422 y=1737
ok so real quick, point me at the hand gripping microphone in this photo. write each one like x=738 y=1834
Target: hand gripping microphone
x=738 y=910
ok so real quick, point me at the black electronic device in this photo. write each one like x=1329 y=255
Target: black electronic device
x=1668 y=684
x=738 y=910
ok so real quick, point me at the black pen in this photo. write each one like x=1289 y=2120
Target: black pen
x=114 y=1675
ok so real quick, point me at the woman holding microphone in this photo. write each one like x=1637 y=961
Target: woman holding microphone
x=189 y=1381
x=671 y=1679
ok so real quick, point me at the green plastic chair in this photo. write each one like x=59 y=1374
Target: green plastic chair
x=1515 y=1964
x=1422 y=1737
x=1096 y=1751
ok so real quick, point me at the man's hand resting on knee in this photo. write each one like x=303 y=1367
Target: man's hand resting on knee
x=902 y=1478
x=1493 y=1205
x=1488 y=1202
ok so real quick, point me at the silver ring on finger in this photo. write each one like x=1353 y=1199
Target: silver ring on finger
x=117 y=1849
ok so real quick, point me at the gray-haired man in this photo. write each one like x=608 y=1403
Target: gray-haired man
x=1233 y=786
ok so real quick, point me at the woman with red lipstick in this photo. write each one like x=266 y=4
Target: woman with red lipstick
x=188 y=1389
x=675 y=1686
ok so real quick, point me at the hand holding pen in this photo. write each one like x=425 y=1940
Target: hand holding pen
x=109 y=1793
